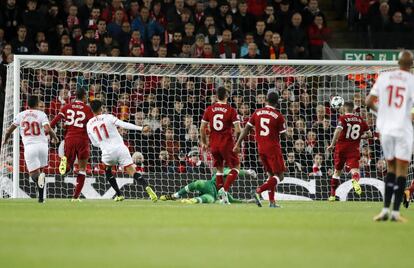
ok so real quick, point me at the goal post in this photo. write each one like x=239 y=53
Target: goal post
x=170 y=95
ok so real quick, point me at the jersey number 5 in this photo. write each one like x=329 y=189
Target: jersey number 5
x=75 y=118
x=98 y=133
x=264 y=124
x=399 y=98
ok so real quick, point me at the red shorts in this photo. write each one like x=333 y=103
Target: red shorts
x=273 y=162
x=76 y=148
x=225 y=157
x=348 y=157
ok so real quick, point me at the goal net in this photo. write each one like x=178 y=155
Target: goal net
x=170 y=95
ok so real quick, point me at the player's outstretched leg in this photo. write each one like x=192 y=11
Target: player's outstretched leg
x=231 y=177
x=112 y=181
x=80 y=181
x=355 y=182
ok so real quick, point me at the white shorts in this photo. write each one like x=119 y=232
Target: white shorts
x=119 y=156
x=397 y=147
x=36 y=156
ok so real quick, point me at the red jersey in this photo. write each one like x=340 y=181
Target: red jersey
x=353 y=126
x=75 y=115
x=268 y=123
x=221 y=117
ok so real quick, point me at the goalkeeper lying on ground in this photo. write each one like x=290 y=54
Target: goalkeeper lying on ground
x=206 y=189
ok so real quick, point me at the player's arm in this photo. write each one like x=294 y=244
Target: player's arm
x=335 y=137
x=9 y=131
x=125 y=125
x=203 y=136
x=372 y=98
x=243 y=135
x=57 y=119
x=49 y=130
x=367 y=135
x=237 y=129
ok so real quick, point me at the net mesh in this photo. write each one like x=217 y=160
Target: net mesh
x=171 y=99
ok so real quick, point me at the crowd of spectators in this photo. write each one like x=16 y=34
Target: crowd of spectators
x=293 y=29
x=387 y=23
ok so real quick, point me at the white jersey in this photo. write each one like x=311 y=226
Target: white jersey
x=31 y=123
x=103 y=132
x=395 y=92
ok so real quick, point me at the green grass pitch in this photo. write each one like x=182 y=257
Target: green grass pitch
x=170 y=234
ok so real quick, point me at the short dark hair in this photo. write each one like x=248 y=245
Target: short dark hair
x=80 y=93
x=349 y=106
x=221 y=93
x=96 y=105
x=272 y=98
x=32 y=101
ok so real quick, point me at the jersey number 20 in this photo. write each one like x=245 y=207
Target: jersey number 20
x=31 y=129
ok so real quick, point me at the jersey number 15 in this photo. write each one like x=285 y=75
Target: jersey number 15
x=398 y=98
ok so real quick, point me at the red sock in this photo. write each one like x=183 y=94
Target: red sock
x=230 y=179
x=80 y=181
x=272 y=182
x=411 y=189
x=268 y=185
x=356 y=176
x=219 y=180
x=334 y=185
x=271 y=196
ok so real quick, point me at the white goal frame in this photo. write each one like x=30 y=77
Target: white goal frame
x=19 y=58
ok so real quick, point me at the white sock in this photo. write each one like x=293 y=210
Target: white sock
x=176 y=195
x=395 y=214
x=385 y=211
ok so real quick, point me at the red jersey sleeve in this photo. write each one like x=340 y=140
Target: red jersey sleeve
x=252 y=120
x=281 y=124
x=234 y=116
x=341 y=122
x=206 y=115
x=61 y=115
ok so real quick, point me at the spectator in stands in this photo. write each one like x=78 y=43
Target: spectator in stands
x=317 y=169
x=108 y=13
x=197 y=50
x=293 y=113
x=174 y=48
x=273 y=23
x=22 y=43
x=189 y=30
x=115 y=26
x=171 y=145
x=318 y=34
x=191 y=139
x=153 y=118
x=146 y=26
x=264 y=47
x=85 y=10
x=208 y=51
x=398 y=32
x=248 y=38
x=260 y=31
x=72 y=18
x=293 y=168
x=284 y=13
x=43 y=48
x=227 y=49
x=62 y=99
x=252 y=52
x=310 y=11
x=380 y=23
x=185 y=50
x=92 y=49
x=302 y=156
x=164 y=163
x=195 y=165
x=236 y=33
x=153 y=48
x=381 y=169
x=33 y=18
x=244 y=19
x=276 y=47
x=174 y=13
x=12 y=18
x=295 y=38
